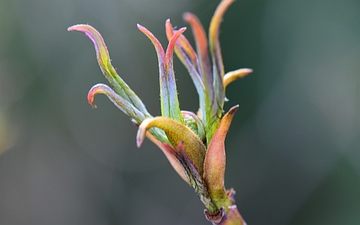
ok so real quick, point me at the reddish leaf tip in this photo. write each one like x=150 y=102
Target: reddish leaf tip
x=233 y=109
x=91 y=97
x=140 y=27
x=139 y=140
x=71 y=28
x=140 y=136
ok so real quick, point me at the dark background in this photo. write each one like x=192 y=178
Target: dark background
x=293 y=148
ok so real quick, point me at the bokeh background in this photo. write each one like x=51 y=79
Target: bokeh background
x=293 y=148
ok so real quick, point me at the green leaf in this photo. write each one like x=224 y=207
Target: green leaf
x=103 y=58
x=168 y=93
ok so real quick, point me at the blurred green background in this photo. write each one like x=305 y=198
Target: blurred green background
x=293 y=149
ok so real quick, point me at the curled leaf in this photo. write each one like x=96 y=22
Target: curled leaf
x=102 y=53
x=168 y=94
x=210 y=109
x=215 y=51
x=234 y=75
x=119 y=101
x=215 y=160
x=103 y=58
x=214 y=36
x=187 y=56
x=176 y=133
x=202 y=48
